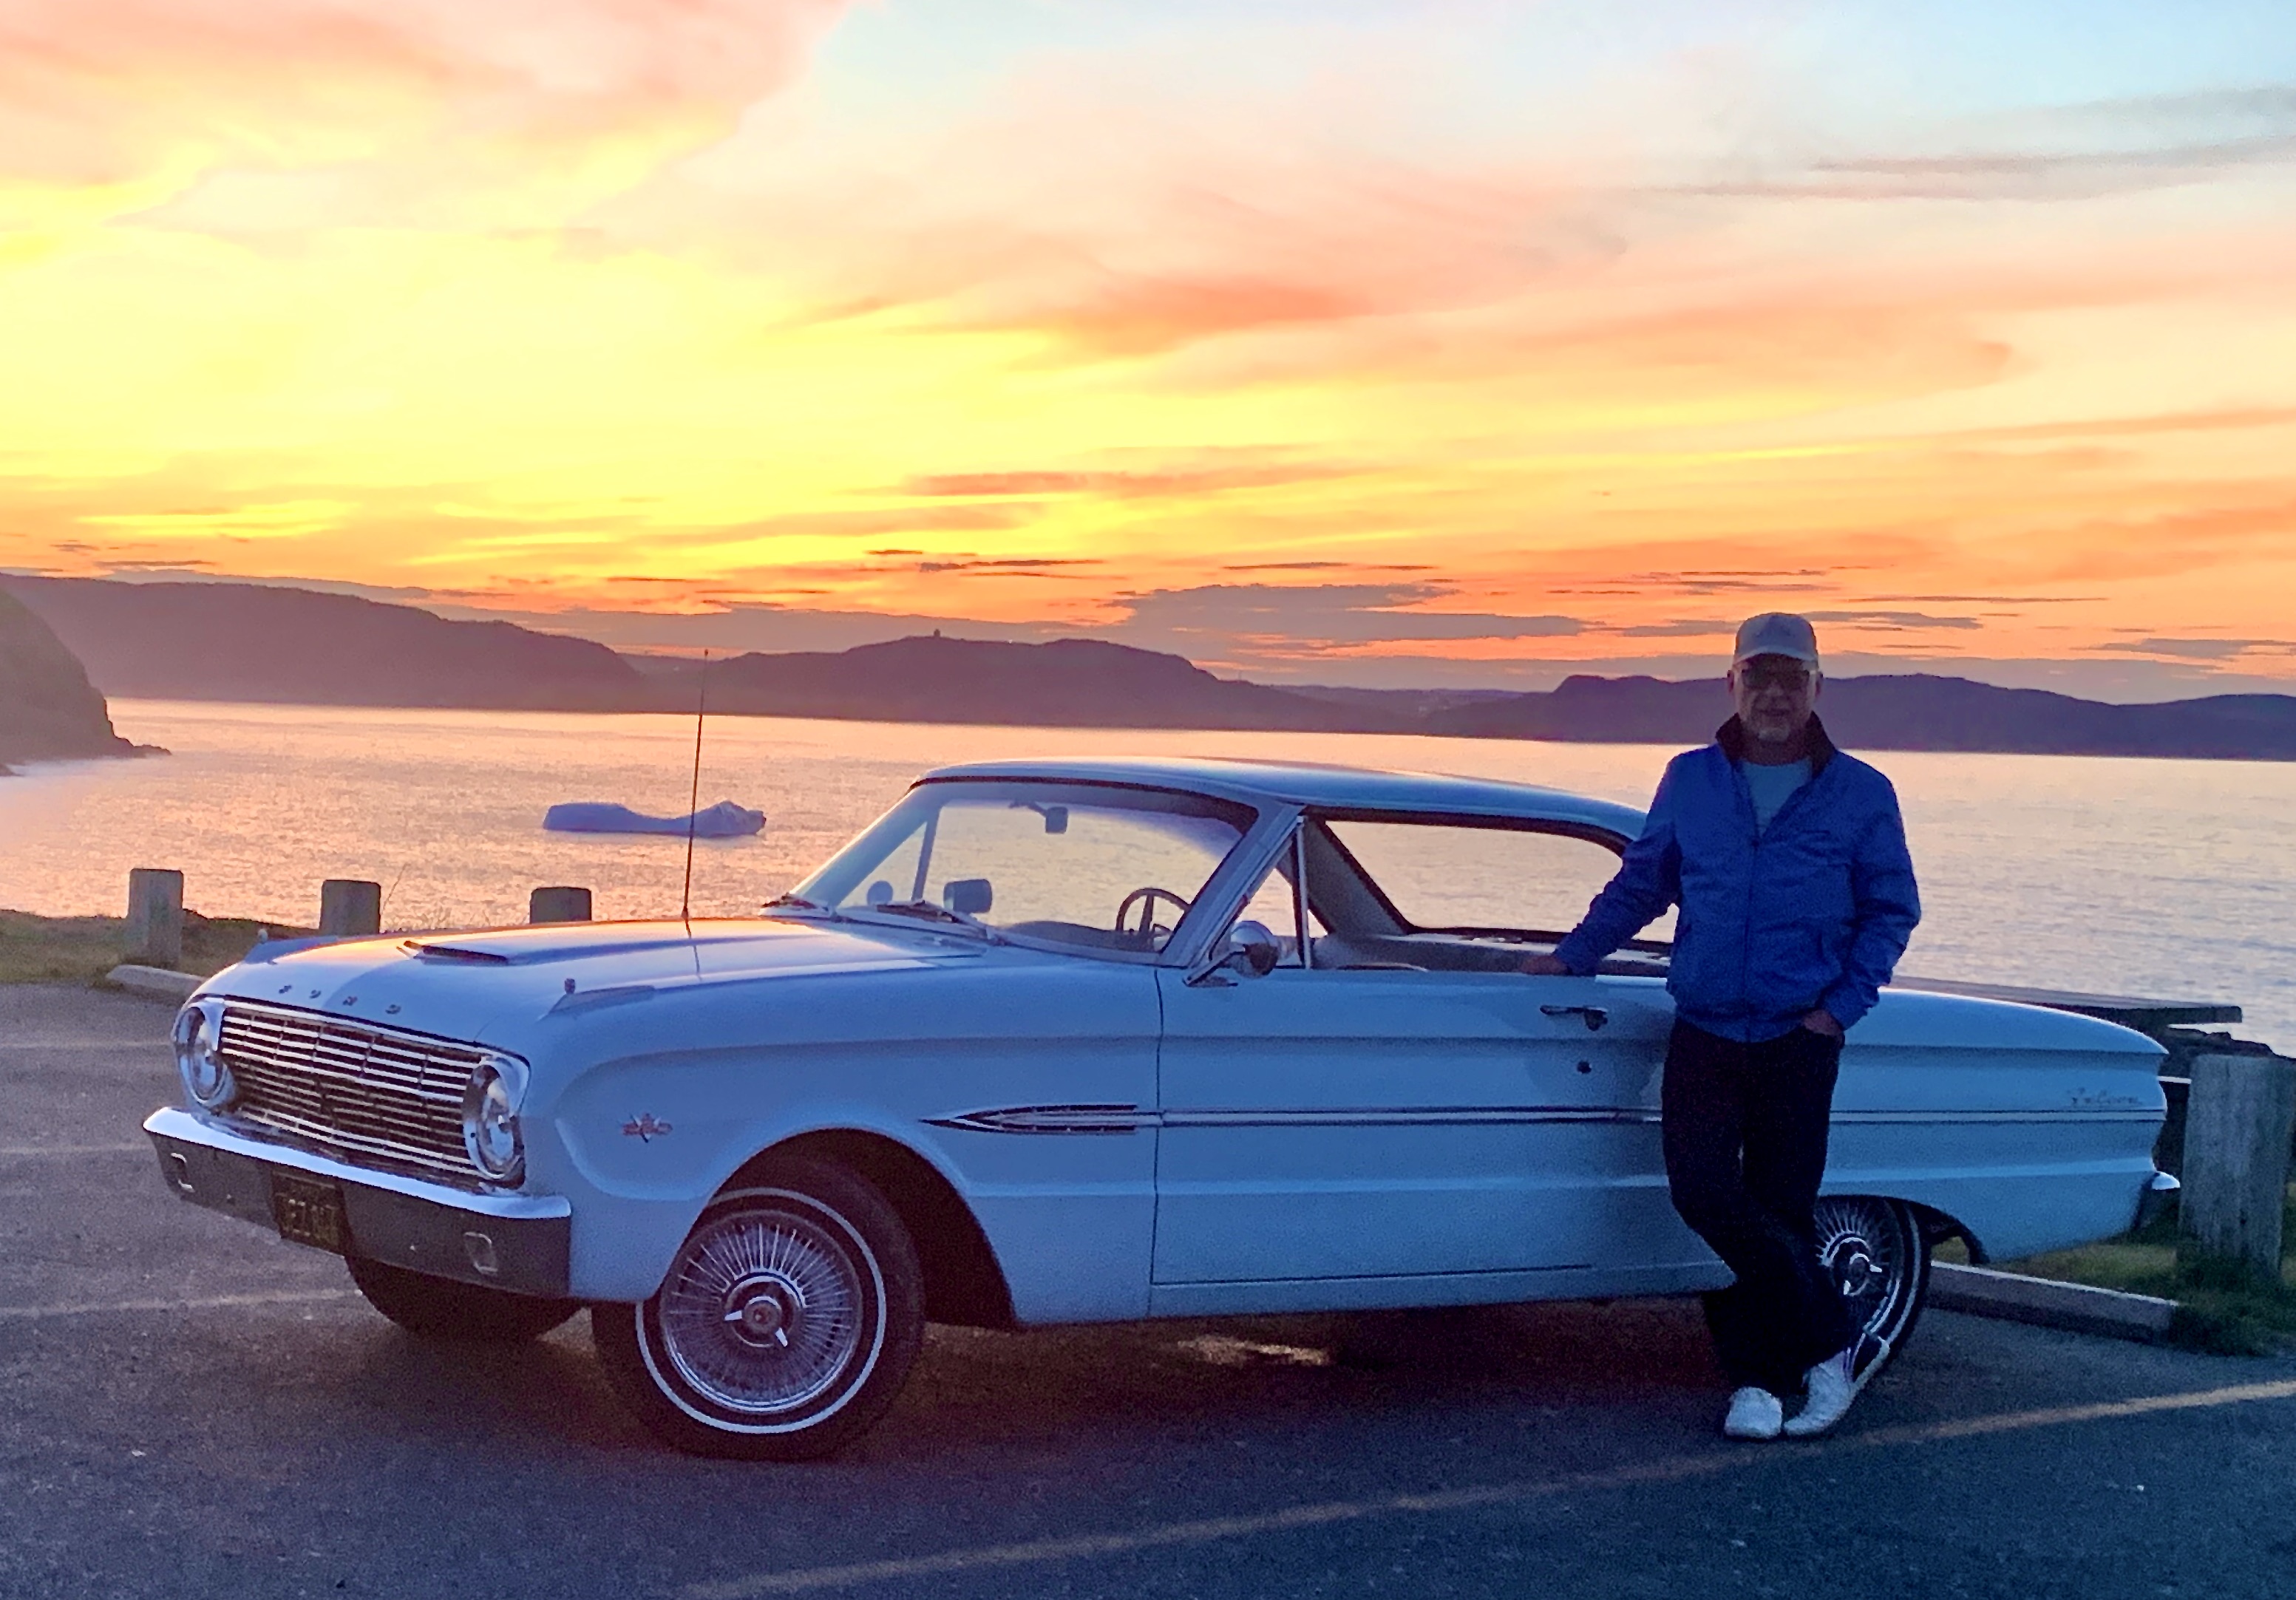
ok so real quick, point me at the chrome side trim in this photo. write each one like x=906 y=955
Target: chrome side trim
x=1961 y=1118
x=170 y=1123
x=1049 y=1119
x=1414 y=1116
x=1128 y=1119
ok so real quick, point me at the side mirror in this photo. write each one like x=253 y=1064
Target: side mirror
x=1252 y=948
x=968 y=896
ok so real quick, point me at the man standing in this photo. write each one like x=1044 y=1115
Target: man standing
x=1789 y=861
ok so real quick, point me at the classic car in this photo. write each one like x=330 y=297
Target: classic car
x=1071 y=1042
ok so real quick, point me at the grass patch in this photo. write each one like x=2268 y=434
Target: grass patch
x=80 y=949
x=2219 y=1309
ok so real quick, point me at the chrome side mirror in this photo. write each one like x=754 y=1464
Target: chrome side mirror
x=1252 y=948
x=1249 y=947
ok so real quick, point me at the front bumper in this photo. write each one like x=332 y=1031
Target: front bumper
x=515 y=1242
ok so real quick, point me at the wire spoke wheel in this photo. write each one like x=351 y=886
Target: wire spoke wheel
x=1879 y=1260
x=785 y=1324
x=762 y=1310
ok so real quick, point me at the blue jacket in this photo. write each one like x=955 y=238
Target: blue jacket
x=1815 y=912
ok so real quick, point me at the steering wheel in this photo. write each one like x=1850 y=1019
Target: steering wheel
x=1146 y=898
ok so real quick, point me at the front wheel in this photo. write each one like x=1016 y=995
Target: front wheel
x=440 y=1308
x=1879 y=1262
x=786 y=1324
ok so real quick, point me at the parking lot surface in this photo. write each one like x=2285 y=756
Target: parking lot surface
x=194 y=1408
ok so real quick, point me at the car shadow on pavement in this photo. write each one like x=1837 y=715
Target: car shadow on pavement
x=1072 y=1391
x=1050 y=1389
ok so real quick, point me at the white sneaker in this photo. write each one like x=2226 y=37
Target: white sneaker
x=1754 y=1413
x=1833 y=1383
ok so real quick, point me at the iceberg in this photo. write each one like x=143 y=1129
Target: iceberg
x=723 y=821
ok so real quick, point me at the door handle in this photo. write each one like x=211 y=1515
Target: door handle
x=1594 y=1016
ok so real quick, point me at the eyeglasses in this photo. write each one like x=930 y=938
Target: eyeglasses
x=1774 y=675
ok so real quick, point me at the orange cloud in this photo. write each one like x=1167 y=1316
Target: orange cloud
x=594 y=303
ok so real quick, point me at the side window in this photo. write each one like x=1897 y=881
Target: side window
x=1445 y=875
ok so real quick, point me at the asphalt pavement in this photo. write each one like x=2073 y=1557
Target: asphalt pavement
x=194 y=1408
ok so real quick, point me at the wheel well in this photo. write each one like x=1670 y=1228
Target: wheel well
x=1937 y=1228
x=963 y=1284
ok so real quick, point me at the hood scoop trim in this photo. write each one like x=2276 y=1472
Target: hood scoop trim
x=452 y=953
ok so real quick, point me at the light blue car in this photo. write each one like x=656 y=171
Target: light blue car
x=1079 y=1042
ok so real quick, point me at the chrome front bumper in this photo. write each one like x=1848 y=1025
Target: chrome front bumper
x=515 y=1242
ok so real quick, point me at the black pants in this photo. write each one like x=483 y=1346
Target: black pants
x=1745 y=1129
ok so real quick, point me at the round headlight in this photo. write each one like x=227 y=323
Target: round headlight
x=199 y=1055
x=490 y=1118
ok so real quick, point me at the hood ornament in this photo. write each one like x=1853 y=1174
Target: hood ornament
x=645 y=1127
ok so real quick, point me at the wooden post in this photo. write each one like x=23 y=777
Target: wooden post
x=350 y=905
x=155 y=917
x=560 y=904
x=2236 y=1134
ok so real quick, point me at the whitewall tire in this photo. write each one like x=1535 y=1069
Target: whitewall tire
x=785 y=1326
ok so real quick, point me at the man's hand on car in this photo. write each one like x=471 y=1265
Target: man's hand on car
x=1546 y=964
x=1821 y=1021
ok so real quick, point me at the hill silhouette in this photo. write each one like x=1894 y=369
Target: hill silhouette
x=1064 y=684
x=244 y=642
x=48 y=709
x=252 y=642
x=1909 y=712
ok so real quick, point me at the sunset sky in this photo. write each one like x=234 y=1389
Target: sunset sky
x=1383 y=343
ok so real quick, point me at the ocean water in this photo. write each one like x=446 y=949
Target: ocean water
x=2167 y=878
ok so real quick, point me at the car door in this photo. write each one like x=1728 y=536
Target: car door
x=1366 y=1122
x=1396 y=1101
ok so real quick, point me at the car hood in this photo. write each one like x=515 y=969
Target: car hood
x=462 y=985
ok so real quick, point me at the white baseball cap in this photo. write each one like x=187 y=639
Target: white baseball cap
x=1776 y=633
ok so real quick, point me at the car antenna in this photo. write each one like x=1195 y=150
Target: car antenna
x=693 y=800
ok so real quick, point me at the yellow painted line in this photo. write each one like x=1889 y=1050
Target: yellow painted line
x=214 y=1303
x=1666 y=1470
x=24 y=1152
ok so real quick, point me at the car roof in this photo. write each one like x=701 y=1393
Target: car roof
x=1311 y=783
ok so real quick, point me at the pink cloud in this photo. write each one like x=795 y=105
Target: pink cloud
x=106 y=91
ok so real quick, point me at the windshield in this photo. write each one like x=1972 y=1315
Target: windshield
x=1094 y=866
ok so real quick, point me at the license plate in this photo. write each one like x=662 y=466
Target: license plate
x=308 y=1211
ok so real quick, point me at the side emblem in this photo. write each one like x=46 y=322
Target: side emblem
x=645 y=1127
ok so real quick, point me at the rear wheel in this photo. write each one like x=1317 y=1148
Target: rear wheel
x=785 y=1326
x=440 y=1308
x=1879 y=1262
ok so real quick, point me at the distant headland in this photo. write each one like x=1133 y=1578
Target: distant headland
x=259 y=643
x=49 y=711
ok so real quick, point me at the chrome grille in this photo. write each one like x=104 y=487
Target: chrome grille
x=397 y=1097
